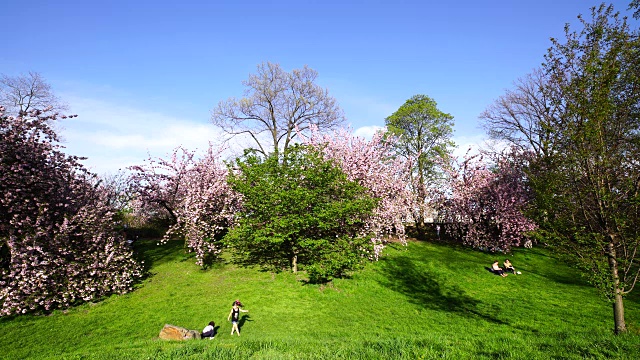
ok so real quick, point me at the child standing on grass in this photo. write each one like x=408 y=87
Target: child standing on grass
x=234 y=316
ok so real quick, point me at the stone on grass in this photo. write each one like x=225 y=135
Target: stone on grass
x=172 y=332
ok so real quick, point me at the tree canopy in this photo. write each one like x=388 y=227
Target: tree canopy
x=194 y=193
x=486 y=204
x=277 y=105
x=58 y=238
x=579 y=119
x=23 y=93
x=373 y=165
x=300 y=210
x=422 y=133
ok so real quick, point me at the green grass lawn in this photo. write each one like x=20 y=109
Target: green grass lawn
x=422 y=301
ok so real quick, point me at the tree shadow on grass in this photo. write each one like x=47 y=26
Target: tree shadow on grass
x=152 y=254
x=560 y=276
x=562 y=273
x=424 y=289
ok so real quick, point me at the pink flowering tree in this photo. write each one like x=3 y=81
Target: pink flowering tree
x=372 y=165
x=159 y=185
x=194 y=194
x=59 y=244
x=485 y=204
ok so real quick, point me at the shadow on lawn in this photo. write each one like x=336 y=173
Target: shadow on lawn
x=424 y=289
x=243 y=319
x=152 y=254
x=563 y=273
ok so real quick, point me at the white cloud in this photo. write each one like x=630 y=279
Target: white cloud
x=169 y=137
x=473 y=145
x=367 y=132
x=113 y=137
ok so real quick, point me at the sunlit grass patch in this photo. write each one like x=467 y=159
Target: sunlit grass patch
x=420 y=301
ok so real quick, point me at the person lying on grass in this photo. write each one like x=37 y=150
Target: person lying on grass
x=497 y=269
x=234 y=316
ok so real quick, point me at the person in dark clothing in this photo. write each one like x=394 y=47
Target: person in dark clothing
x=497 y=269
x=209 y=331
x=509 y=267
x=234 y=316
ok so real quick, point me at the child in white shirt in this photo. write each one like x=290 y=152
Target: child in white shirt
x=209 y=330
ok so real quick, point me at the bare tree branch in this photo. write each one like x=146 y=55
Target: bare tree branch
x=275 y=102
x=20 y=94
x=524 y=115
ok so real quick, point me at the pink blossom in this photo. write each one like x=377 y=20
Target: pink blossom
x=485 y=204
x=372 y=165
x=55 y=223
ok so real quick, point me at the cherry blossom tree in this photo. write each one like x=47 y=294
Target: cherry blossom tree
x=386 y=177
x=194 y=193
x=486 y=201
x=60 y=245
x=160 y=185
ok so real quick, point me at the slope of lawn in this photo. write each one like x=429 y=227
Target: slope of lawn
x=424 y=301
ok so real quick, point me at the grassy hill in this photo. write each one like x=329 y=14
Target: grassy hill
x=422 y=301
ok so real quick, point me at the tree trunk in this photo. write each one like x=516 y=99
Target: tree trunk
x=174 y=218
x=294 y=263
x=618 y=313
x=421 y=229
x=419 y=219
x=618 y=305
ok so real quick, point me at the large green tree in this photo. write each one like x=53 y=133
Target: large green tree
x=300 y=210
x=587 y=182
x=422 y=133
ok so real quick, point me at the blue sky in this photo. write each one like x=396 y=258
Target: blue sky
x=143 y=76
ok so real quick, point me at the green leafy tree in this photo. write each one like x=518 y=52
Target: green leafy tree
x=596 y=204
x=586 y=183
x=300 y=210
x=423 y=133
x=635 y=4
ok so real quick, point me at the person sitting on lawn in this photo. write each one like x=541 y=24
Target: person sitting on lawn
x=508 y=266
x=209 y=330
x=497 y=269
